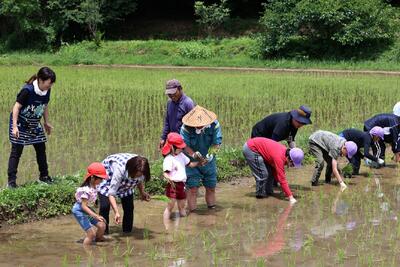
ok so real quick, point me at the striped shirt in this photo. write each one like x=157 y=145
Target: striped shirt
x=118 y=183
x=28 y=122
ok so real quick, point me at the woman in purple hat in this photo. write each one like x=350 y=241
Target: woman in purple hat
x=283 y=126
x=364 y=140
x=328 y=147
x=267 y=159
x=391 y=126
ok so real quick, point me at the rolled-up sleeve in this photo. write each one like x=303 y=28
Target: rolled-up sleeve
x=115 y=179
x=185 y=134
x=217 y=136
x=166 y=128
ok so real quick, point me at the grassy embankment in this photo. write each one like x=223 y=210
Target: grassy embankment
x=232 y=52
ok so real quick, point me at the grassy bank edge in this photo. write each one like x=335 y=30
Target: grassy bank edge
x=35 y=201
x=233 y=52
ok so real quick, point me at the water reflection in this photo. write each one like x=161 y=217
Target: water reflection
x=275 y=244
x=330 y=225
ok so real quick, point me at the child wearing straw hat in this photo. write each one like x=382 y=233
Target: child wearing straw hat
x=201 y=132
x=327 y=146
x=92 y=223
x=174 y=165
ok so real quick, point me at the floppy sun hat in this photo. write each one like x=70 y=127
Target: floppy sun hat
x=302 y=114
x=96 y=169
x=199 y=117
x=396 y=109
x=297 y=156
x=173 y=139
x=351 y=148
x=377 y=131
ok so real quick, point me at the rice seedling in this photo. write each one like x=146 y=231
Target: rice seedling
x=101 y=111
x=96 y=112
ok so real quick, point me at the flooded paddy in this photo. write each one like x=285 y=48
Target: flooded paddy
x=359 y=227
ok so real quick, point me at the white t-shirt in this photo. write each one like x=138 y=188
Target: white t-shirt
x=176 y=165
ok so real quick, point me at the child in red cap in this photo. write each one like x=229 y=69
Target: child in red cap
x=175 y=173
x=86 y=194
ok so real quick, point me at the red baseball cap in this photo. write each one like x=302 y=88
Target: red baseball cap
x=173 y=139
x=96 y=169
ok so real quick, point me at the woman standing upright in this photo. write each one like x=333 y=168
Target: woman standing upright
x=25 y=127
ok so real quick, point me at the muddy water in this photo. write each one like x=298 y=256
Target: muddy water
x=359 y=227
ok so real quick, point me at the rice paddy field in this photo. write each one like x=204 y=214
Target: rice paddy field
x=99 y=111
x=358 y=227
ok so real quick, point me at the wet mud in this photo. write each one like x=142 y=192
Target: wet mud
x=357 y=227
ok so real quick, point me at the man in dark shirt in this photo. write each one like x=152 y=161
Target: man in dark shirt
x=363 y=140
x=178 y=106
x=391 y=126
x=283 y=126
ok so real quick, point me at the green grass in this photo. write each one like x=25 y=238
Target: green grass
x=234 y=52
x=99 y=111
x=35 y=200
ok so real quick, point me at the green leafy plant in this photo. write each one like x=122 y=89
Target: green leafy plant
x=195 y=51
x=347 y=171
x=309 y=28
x=212 y=16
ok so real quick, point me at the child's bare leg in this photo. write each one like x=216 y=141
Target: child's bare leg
x=167 y=213
x=181 y=207
x=169 y=208
x=90 y=235
x=192 y=198
x=101 y=227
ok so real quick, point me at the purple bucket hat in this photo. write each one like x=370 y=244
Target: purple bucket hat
x=297 y=156
x=351 y=148
x=377 y=131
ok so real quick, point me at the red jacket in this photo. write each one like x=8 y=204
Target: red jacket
x=274 y=154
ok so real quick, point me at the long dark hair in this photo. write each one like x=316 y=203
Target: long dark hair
x=44 y=74
x=88 y=180
x=136 y=164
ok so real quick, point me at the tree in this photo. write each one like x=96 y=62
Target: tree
x=318 y=28
x=41 y=24
x=210 y=17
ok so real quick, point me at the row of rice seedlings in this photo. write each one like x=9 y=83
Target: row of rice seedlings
x=100 y=111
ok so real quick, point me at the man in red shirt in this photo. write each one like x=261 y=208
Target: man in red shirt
x=267 y=159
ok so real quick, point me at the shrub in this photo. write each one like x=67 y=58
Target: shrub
x=195 y=51
x=317 y=28
x=35 y=201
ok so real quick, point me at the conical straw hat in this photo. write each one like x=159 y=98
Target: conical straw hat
x=199 y=117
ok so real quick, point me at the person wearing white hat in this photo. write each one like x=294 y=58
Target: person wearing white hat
x=396 y=109
x=201 y=132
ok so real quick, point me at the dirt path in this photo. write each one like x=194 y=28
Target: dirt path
x=269 y=70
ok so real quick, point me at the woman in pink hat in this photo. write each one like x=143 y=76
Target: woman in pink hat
x=174 y=166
